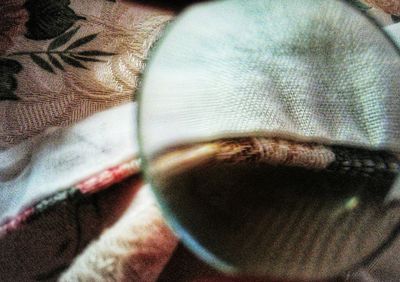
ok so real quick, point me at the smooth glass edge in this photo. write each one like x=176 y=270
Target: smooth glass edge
x=188 y=240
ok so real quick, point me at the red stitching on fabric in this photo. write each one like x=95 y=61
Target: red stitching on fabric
x=108 y=177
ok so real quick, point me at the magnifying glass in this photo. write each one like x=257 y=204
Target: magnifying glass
x=270 y=132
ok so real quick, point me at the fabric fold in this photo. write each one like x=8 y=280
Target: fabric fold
x=331 y=81
x=62 y=157
x=136 y=248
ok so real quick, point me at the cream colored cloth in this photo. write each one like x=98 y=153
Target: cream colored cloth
x=62 y=62
x=313 y=71
x=61 y=157
x=138 y=246
x=394 y=32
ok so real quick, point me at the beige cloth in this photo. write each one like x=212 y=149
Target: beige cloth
x=63 y=97
x=136 y=248
x=72 y=96
x=389 y=6
x=59 y=158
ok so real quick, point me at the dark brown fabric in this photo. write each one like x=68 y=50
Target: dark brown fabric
x=44 y=246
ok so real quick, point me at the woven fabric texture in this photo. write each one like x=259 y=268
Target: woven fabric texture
x=136 y=248
x=42 y=246
x=331 y=81
x=305 y=210
x=389 y=6
x=61 y=157
x=62 y=61
x=119 y=234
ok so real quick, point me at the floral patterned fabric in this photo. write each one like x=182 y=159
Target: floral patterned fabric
x=40 y=247
x=60 y=62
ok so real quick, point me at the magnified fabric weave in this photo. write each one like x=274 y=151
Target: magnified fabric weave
x=310 y=71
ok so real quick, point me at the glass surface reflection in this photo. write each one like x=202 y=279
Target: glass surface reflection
x=269 y=130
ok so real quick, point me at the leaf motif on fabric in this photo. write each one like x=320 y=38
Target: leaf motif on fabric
x=41 y=63
x=72 y=62
x=8 y=82
x=95 y=53
x=86 y=59
x=49 y=18
x=68 y=55
x=55 y=62
x=62 y=39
